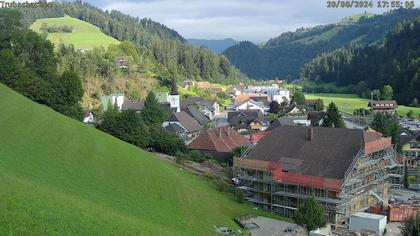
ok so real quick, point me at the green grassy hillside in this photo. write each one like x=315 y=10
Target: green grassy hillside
x=84 y=35
x=62 y=177
x=350 y=102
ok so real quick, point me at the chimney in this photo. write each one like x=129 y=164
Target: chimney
x=220 y=133
x=227 y=131
x=310 y=134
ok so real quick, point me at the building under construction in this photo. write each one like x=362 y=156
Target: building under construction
x=345 y=170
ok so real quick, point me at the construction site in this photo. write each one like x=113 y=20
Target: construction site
x=346 y=171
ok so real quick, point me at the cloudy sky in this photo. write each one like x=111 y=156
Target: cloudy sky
x=254 y=20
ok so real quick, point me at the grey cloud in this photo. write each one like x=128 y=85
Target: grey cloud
x=255 y=20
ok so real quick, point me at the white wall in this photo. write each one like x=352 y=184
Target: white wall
x=249 y=106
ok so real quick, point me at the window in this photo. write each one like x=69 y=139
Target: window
x=412 y=145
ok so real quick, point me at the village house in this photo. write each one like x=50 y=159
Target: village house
x=383 y=106
x=316 y=118
x=219 y=142
x=251 y=105
x=195 y=113
x=136 y=106
x=246 y=120
x=187 y=84
x=345 y=170
x=185 y=126
x=254 y=96
x=411 y=150
x=123 y=62
x=209 y=107
x=89 y=117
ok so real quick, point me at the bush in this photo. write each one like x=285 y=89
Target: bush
x=240 y=197
x=221 y=185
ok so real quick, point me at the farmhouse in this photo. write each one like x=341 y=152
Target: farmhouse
x=345 y=170
x=219 y=142
x=383 y=106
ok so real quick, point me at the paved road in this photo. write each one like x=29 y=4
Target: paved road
x=271 y=227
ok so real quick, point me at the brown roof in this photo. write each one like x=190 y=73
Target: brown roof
x=316 y=116
x=219 y=139
x=253 y=96
x=186 y=120
x=329 y=153
x=310 y=102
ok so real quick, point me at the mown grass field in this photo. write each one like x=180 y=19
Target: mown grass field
x=59 y=176
x=349 y=102
x=84 y=35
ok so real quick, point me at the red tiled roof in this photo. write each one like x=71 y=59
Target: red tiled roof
x=219 y=139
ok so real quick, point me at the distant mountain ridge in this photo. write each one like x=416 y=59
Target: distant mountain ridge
x=283 y=56
x=216 y=45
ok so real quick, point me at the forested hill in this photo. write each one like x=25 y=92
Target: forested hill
x=283 y=56
x=395 y=63
x=163 y=48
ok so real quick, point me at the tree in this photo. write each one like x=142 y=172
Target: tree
x=376 y=94
x=166 y=142
x=319 y=105
x=410 y=114
x=240 y=196
x=299 y=98
x=389 y=126
x=152 y=113
x=274 y=107
x=333 y=117
x=387 y=92
x=310 y=215
x=127 y=126
x=411 y=226
x=406 y=182
x=414 y=103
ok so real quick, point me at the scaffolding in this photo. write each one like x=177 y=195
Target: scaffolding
x=364 y=184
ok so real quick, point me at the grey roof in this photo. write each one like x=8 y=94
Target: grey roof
x=167 y=107
x=242 y=118
x=132 y=105
x=284 y=120
x=198 y=101
x=174 y=127
x=407 y=138
x=328 y=154
x=316 y=116
x=186 y=120
x=197 y=114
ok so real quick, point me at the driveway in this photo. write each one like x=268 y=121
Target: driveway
x=271 y=227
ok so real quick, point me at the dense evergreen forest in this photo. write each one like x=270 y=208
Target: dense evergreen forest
x=283 y=56
x=28 y=65
x=161 y=49
x=395 y=63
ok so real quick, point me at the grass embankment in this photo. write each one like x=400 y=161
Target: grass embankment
x=84 y=35
x=350 y=102
x=62 y=177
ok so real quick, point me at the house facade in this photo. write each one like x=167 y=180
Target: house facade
x=345 y=170
x=251 y=105
x=383 y=106
x=185 y=126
